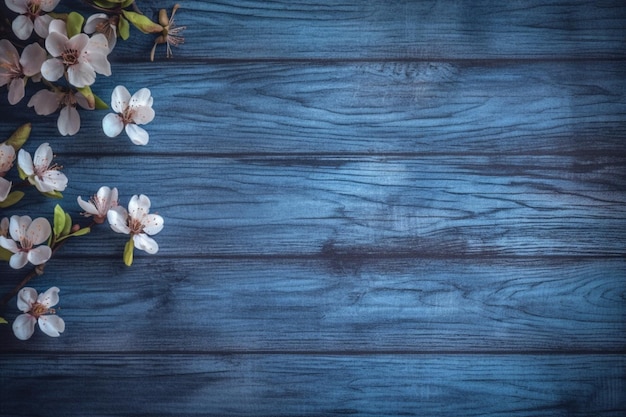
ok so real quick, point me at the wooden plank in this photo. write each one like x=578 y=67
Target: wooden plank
x=333 y=305
x=364 y=108
x=436 y=206
x=294 y=385
x=380 y=29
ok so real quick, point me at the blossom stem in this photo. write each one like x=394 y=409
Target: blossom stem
x=35 y=272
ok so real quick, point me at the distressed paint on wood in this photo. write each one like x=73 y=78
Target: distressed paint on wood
x=372 y=208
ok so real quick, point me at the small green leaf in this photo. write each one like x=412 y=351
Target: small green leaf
x=128 y=252
x=59 y=221
x=12 y=198
x=68 y=225
x=53 y=194
x=19 y=137
x=86 y=91
x=126 y=3
x=5 y=254
x=74 y=24
x=124 y=28
x=142 y=22
x=3 y=321
x=100 y=105
x=79 y=232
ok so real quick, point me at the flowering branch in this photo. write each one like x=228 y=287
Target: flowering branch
x=65 y=53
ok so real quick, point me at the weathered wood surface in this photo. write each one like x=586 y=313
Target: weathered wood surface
x=326 y=385
x=339 y=305
x=372 y=208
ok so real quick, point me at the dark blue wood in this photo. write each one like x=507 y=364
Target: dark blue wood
x=372 y=208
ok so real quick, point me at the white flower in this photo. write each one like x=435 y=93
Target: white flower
x=40 y=172
x=80 y=56
x=14 y=69
x=25 y=235
x=47 y=102
x=98 y=205
x=7 y=156
x=132 y=111
x=31 y=16
x=101 y=23
x=37 y=309
x=137 y=222
x=5 y=189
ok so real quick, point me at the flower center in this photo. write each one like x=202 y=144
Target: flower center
x=33 y=8
x=135 y=226
x=128 y=116
x=70 y=57
x=25 y=244
x=37 y=310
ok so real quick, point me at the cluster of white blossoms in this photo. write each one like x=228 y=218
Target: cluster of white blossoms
x=69 y=65
x=63 y=54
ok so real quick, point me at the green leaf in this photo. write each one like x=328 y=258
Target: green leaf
x=128 y=252
x=53 y=194
x=12 y=198
x=142 y=22
x=86 y=91
x=5 y=254
x=21 y=173
x=126 y=3
x=3 y=321
x=124 y=28
x=74 y=24
x=19 y=137
x=68 y=225
x=59 y=221
x=100 y=105
x=79 y=232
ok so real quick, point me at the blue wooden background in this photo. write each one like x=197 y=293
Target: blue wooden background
x=371 y=207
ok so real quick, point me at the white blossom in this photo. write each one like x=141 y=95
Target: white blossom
x=99 y=204
x=7 y=156
x=31 y=16
x=137 y=222
x=26 y=234
x=47 y=102
x=37 y=309
x=14 y=70
x=102 y=23
x=80 y=56
x=40 y=170
x=131 y=112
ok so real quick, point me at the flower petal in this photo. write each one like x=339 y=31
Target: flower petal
x=16 y=90
x=9 y=244
x=120 y=99
x=152 y=224
x=51 y=325
x=48 y=5
x=18 y=260
x=39 y=230
x=45 y=102
x=145 y=243
x=56 y=41
x=143 y=115
x=81 y=74
x=39 y=255
x=52 y=180
x=68 y=122
x=117 y=218
x=24 y=326
x=141 y=98
x=43 y=156
x=25 y=299
x=17 y=6
x=5 y=188
x=18 y=226
x=137 y=135
x=52 y=69
x=22 y=27
x=42 y=23
x=139 y=206
x=32 y=58
x=8 y=55
x=112 y=125
x=88 y=207
x=50 y=298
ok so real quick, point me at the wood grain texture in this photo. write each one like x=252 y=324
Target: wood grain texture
x=373 y=208
x=315 y=385
x=365 y=108
x=387 y=30
x=334 y=305
x=367 y=206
